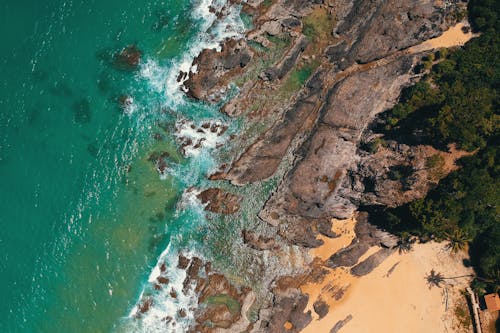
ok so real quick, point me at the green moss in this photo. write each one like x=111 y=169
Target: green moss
x=280 y=42
x=267 y=3
x=434 y=161
x=318 y=25
x=298 y=77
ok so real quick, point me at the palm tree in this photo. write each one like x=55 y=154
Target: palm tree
x=405 y=245
x=434 y=279
x=458 y=240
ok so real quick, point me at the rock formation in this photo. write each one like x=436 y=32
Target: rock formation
x=357 y=57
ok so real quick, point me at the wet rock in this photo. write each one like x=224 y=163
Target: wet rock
x=128 y=58
x=145 y=305
x=212 y=66
x=162 y=280
x=160 y=161
x=183 y=262
x=218 y=201
x=194 y=268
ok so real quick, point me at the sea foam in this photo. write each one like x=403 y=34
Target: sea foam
x=163 y=311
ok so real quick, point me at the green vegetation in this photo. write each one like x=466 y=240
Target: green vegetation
x=318 y=25
x=462 y=313
x=267 y=3
x=298 y=77
x=457 y=102
x=436 y=165
x=373 y=146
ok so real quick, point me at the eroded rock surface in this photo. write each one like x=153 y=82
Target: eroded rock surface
x=357 y=70
x=212 y=66
x=218 y=201
x=310 y=190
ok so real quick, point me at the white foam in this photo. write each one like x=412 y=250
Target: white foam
x=194 y=138
x=164 y=305
x=164 y=81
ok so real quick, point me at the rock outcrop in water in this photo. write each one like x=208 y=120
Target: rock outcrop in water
x=213 y=66
x=218 y=201
x=128 y=58
x=356 y=57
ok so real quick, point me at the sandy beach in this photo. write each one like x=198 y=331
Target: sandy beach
x=455 y=36
x=395 y=296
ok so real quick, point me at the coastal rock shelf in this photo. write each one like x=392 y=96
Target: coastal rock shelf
x=311 y=78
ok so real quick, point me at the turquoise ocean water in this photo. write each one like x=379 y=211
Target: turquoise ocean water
x=84 y=214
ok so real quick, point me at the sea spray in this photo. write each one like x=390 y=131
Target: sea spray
x=196 y=138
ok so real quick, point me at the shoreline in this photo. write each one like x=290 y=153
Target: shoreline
x=394 y=297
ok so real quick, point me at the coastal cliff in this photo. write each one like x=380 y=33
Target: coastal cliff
x=311 y=78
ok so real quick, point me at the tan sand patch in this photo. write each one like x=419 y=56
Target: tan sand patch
x=395 y=296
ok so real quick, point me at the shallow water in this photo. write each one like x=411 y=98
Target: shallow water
x=84 y=212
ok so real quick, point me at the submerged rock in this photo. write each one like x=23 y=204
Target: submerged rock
x=81 y=111
x=128 y=58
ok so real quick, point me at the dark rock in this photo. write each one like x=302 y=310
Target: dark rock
x=162 y=280
x=145 y=305
x=341 y=323
x=218 y=201
x=289 y=309
x=212 y=66
x=128 y=58
x=281 y=69
x=183 y=262
x=299 y=232
x=291 y=22
x=321 y=308
x=348 y=256
x=81 y=111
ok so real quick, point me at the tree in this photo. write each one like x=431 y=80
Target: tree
x=458 y=240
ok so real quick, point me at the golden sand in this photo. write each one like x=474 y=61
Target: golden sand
x=450 y=38
x=395 y=296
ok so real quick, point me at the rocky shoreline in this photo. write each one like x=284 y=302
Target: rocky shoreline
x=312 y=77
